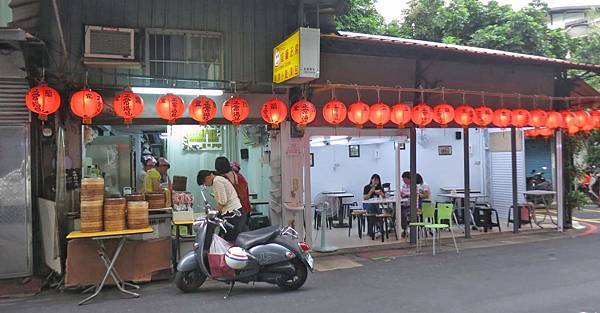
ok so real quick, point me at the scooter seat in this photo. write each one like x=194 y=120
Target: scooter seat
x=252 y=238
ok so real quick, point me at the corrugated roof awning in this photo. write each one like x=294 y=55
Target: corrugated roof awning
x=457 y=49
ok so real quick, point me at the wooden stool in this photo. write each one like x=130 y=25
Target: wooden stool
x=360 y=220
x=384 y=219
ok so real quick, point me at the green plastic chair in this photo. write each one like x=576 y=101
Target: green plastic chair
x=428 y=212
x=444 y=212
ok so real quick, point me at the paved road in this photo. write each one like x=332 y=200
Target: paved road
x=551 y=276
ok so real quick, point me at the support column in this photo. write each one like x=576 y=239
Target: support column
x=398 y=186
x=467 y=180
x=560 y=186
x=308 y=213
x=413 y=184
x=513 y=156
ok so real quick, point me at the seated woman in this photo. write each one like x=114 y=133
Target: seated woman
x=424 y=190
x=372 y=190
x=405 y=207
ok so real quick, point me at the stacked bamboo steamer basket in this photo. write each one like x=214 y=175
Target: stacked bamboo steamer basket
x=135 y=197
x=156 y=200
x=114 y=214
x=92 y=199
x=137 y=214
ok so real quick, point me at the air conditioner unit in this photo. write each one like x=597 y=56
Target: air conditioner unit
x=109 y=42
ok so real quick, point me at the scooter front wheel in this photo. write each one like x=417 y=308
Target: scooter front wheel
x=188 y=281
x=298 y=279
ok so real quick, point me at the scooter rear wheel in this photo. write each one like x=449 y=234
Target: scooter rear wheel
x=189 y=281
x=299 y=278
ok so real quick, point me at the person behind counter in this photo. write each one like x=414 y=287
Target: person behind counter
x=223 y=167
x=163 y=166
x=165 y=181
x=151 y=178
x=226 y=198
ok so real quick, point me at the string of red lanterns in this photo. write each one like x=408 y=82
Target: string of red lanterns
x=87 y=104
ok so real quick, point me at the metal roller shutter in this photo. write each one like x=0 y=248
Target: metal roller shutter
x=12 y=101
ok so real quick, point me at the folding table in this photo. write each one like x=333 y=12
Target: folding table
x=99 y=238
x=542 y=195
x=178 y=224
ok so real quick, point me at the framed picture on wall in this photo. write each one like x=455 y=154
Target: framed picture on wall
x=312 y=160
x=354 y=151
x=445 y=150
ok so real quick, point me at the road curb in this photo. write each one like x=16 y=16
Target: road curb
x=495 y=239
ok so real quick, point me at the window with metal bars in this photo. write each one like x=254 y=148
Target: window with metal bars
x=184 y=54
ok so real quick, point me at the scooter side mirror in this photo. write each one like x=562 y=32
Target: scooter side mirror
x=212 y=213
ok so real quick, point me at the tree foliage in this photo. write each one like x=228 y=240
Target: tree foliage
x=361 y=16
x=586 y=49
x=465 y=22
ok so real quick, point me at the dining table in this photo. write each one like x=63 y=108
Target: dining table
x=458 y=190
x=339 y=196
x=542 y=195
x=456 y=198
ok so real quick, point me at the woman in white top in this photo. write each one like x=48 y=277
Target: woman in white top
x=424 y=189
x=226 y=198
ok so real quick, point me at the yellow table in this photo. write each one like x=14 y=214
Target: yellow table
x=178 y=224
x=99 y=238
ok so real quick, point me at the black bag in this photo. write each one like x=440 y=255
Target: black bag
x=258 y=221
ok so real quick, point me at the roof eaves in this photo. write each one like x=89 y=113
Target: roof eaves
x=421 y=44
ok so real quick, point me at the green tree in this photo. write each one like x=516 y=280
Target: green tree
x=465 y=22
x=422 y=20
x=586 y=49
x=362 y=17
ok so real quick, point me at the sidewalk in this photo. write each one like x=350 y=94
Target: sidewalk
x=485 y=240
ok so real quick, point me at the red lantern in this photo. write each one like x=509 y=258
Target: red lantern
x=42 y=100
x=568 y=119
x=554 y=120
x=236 y=110
x=334 y=112
x=546 y=132
x=358 y=113
x=170 y=107
x=86 y=104
x=379 y=114
x=401 y=114
x=203 y=109
x=502 y=118
x=572 y=130
x=483 y=116
x=589 y=126
x=303 y=112
x=128 y=105
x=596 y=118
x=538 y=118
x=463 y=115
x=582 y=118
x=274 y=111
x=520 y=118
x=443 y=114
x=531 y=133
x=422 y=114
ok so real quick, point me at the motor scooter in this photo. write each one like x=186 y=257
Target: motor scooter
x=275 y=255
